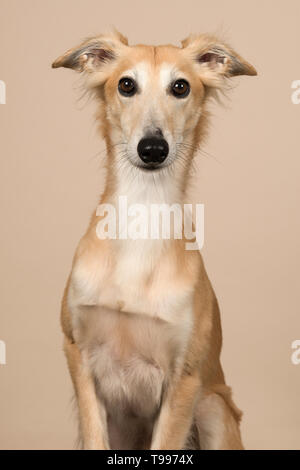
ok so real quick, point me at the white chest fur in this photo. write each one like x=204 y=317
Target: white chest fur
x=134 y=277
x=131 y=357
x=134 y=319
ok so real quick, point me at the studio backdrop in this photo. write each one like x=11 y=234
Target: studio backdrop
x=246 y=175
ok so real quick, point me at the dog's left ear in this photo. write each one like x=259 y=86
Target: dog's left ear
x=215 y=60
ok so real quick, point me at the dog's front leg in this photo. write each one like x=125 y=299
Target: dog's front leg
x=92 y=414
x=175 y=418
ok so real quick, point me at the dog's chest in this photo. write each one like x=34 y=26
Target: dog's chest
x=140 y=280
x=130 y=356
x=134 y=322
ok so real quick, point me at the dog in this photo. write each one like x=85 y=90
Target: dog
x=141 y=323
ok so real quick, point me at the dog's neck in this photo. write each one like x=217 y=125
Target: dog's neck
x=132 y=192
x=165 y=186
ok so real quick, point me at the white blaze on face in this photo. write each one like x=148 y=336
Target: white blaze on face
x=167 y=75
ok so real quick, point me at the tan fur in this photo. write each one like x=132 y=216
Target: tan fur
x=140 y=318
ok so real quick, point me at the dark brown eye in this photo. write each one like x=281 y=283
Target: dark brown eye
x=127 y=86
x=180 y=88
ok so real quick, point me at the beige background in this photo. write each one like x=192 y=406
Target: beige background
x=51 y=179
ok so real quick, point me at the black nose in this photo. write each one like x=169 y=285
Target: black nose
x=153 y=150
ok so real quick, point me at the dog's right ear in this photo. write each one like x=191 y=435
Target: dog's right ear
x=93 y=53
x=215 y=60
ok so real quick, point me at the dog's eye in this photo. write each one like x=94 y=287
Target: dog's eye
x=127 y=86
x=180 y=88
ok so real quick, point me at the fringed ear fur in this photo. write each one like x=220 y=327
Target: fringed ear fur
x=93 y=53
x=215 y=60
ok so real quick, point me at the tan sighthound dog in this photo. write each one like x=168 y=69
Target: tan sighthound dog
x=140 y=318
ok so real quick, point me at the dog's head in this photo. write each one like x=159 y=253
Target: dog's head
x=153 y=98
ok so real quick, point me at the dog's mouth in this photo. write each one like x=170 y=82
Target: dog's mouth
x=150 y=168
